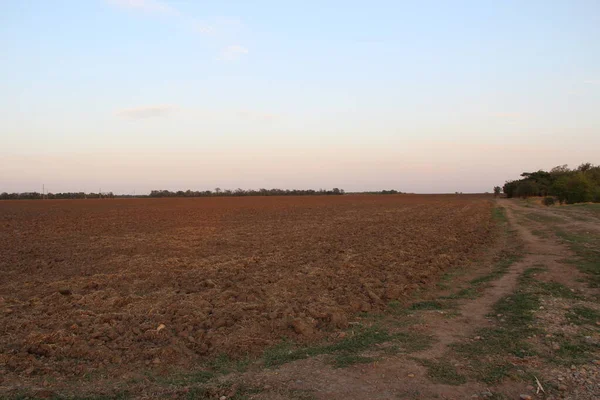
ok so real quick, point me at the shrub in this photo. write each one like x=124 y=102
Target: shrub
x=548 y=201
x=575 y=188
x=526 y=188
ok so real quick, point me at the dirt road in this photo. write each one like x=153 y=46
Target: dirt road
x=452 y=367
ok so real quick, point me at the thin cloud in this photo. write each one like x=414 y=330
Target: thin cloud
x=592 y=81
x=216 y=27
x=203 y=28
x=161 y=8
x=145 y=112
x=233 y=52
x=147 y=6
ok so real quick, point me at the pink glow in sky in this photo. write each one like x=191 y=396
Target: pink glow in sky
x=186 y=95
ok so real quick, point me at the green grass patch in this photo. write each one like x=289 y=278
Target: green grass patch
x=116 y=396
x=574 y=238
x=556 y=289
x=286 y=352
x=541 y=233
x=242 y=392
x=477 y=285
x=362 y=339
x=573 y=350
x=348 y=349
x=493 y=373
x=497 y=341
x=552 y=288
x=498 y=396
x=442 y=371
x=392 y=350
x=470 y=292
x=194 y=378
x=516 y=324
x=587 y=249
x=594 y=208
x=223 y=364
x=220 y=365
x=427 y=305
x=297 y=394
x=543 y=218
x=412 y=342
x=517 y=309
x=499 y=214
x=581 y=315
x=500 y=269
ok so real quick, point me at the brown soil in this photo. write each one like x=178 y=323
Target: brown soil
x=110 y=286
x=342 y=255
x=400 y=377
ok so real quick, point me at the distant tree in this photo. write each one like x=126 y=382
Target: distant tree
x=560 y=169
x=510 y=188
x=497 y=190
x=241 y=192
x=585 y=167
x=574 y=188
x=567 y=185
x=527 y=188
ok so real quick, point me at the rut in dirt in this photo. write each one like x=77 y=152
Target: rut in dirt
x=474 y=313
x=406 y=376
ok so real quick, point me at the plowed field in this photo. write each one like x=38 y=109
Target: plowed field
x=103 y=285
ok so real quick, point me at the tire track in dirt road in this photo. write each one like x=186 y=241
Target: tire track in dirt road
x=474 y=312
x=547 y=251
x=403 y=376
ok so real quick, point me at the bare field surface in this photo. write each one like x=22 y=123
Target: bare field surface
x=112 y=286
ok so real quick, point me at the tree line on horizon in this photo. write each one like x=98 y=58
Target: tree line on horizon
x=52 y=196
x=187 y=193
x=249 y=192
x=578 y=185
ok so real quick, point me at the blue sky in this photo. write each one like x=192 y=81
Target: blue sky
x=427 y=96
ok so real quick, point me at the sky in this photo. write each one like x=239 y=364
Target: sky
x=419 y=96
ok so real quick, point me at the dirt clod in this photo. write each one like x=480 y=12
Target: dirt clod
x=301 y=327
x=223 y=275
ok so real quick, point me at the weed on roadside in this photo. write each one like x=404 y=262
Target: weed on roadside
x=442 y=371
x=587 y=248
x=581 y=315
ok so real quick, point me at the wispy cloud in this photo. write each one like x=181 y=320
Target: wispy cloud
x=146 y=111
x=222 y=27
x=205 y=26
x=233 y=52
x=592 y=81
x=147 y=6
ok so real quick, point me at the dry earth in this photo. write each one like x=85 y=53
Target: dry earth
x=112 y=287
x=522 y=321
